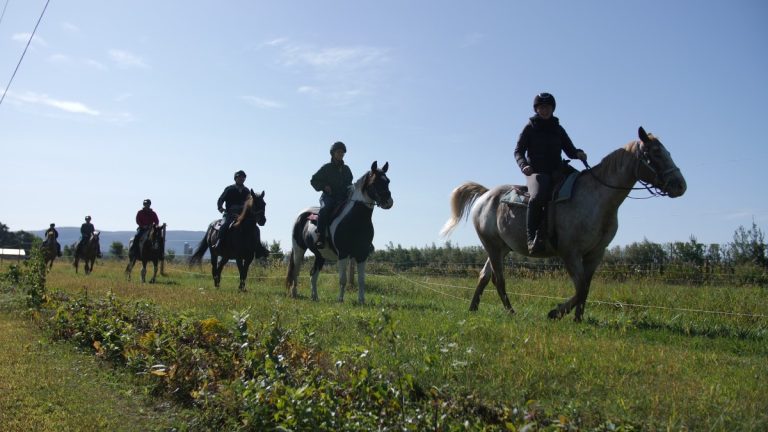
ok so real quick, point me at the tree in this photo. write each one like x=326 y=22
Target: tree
x=170 y=255
x=749 y=246
x=275 y=252
x=117 y=249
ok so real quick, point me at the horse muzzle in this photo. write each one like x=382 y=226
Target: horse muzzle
x=387 y=204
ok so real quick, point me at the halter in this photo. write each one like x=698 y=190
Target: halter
x=644 y=160
x=373 y=195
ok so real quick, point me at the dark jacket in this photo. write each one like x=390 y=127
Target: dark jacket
x=234 y=198
x=541 y=143
x=337 y=175
x=55 y=233
x=86 y=230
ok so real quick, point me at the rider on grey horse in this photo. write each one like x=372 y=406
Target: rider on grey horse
x=333 y=180
x=538 y=155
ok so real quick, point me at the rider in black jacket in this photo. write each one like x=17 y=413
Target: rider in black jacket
x=234 y=196
x=333 y=180
x=537 y=154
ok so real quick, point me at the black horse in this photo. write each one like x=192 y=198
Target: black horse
x=151 y=248
x=242 y=243
x=351 y=233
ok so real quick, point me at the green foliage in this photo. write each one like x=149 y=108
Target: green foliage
x=170 y=256
x=117 y=249
x=749 y=246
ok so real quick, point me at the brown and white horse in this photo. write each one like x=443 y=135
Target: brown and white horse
x=584 y=225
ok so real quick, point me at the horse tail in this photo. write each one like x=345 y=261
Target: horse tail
x=291 y=276
x=462 y=199
x=197 y=257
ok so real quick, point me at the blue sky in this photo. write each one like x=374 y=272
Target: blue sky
x=115 y=102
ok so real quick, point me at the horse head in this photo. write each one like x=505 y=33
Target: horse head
x=376 y=186
x=657 y=167
x=255 y=207
x=156 y=236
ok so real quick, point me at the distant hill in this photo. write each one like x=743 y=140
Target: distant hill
x=174 y=240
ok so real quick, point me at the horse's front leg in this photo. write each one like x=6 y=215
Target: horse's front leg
x=575 y=268
x=129 y=268
x=154 y=272
x=216 y=268
x=143 y=272
x=361 y=282
x=242 y=266
x=342 y=277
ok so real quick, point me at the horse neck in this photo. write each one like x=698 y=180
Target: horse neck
x=617 y=173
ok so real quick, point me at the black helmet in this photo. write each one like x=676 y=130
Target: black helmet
x=240 y=173
x=544 y=99
x=53 y=225
x=148 y=202
x=338 y=145
x=87 y=218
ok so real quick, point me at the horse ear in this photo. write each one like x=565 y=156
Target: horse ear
x=262 y=194
x=385 y=167
x=643 y=135
x=374 y=166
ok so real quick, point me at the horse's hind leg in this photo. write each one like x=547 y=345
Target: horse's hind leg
x=485 y=276
x=360 y=282
x=154 y=272
x=342 y=277
x=314 y=274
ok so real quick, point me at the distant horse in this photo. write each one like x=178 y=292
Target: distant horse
x=50 y=252
x=242 y=243
x=151 y=248
x=584 y=225
x=88 y=251
x=351 y=233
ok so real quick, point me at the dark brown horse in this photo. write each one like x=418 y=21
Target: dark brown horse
x=584 y=225
x=87 y=252
x=242 y=242
x=151 y=248
x=49 y=249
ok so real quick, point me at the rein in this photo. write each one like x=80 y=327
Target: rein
x=652 y=190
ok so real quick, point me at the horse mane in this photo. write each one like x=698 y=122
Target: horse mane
x=245 y=210
x=619 y=158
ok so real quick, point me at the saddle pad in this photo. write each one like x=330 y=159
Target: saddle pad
x=566 y=189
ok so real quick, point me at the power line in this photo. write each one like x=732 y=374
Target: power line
x=3 y=14
x=25 y=49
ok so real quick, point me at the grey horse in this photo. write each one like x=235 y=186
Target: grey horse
x=584 y=225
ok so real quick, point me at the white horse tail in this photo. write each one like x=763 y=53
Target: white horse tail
x=462 y=199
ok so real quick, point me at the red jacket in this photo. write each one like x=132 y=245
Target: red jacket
x=146 y=217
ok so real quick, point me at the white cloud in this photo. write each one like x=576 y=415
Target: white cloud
x=68 y=26
x=261 y=102
x=95 y=64
x=24 y=37
x=59 y=58
x=127 y=59
x=68 y=106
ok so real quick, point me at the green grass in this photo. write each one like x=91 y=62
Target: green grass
x=673 y=366
x=48 y=386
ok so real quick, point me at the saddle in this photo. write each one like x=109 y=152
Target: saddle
x=313 y=215
x=564 y=181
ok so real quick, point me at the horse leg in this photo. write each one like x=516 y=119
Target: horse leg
x=76 y=263
x=342 y=277
x=360 y=282
x=591 y=262
x=575 y=267
x=217 y=270
x=154 y=272
x=315 y=273
x=485 y=276
x=129 y=268
x=242 y=265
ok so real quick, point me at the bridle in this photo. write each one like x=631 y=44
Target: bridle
x=370 y=190
x=644 y=161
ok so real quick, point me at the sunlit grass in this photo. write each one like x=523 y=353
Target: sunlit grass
x=648 y=354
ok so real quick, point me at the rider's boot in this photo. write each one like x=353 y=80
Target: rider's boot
x=535 y=242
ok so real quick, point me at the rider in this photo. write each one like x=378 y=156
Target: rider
x=52 y=229
x=86 y=230
x=234 y=196
x=145 y=218
x=333 y=180
x=538 y=155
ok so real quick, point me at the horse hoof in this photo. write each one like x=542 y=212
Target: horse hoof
x=554 y=314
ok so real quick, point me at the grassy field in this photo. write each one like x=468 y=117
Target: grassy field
x=668 y=358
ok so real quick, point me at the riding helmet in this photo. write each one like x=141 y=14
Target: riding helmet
x=338 y=145
x=544 y=98
x=53 y=225
x=240 y=173
x=87 y=218
x=147 y=202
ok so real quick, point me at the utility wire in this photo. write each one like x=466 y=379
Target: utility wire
x=25 y=50
x=3 y=14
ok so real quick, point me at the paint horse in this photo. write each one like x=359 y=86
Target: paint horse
x=584 y=225
x=351 y=233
